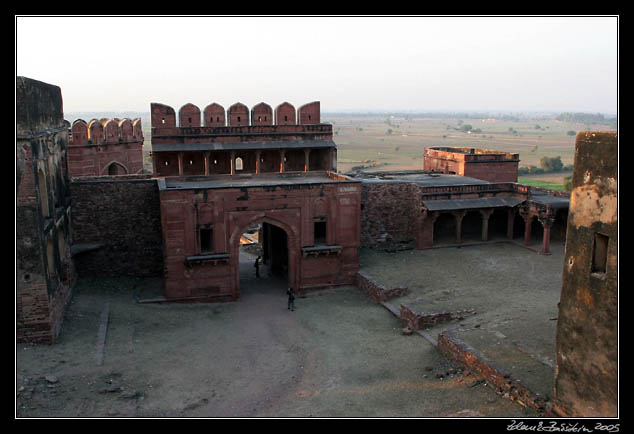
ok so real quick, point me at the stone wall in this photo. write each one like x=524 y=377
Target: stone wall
x=117 y=226
x=390 y=214
x=376 y=290
x=44 y=270
x=586 y=383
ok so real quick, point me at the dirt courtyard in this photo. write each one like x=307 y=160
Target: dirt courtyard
x=338 y=354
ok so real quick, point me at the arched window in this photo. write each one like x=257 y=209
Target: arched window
x=239 y=164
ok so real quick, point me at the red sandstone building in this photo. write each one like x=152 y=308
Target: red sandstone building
x=262 y=169
x=484 y=164
x=105 y=147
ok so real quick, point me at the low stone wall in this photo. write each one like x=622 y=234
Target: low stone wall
x=416 y=319
x=505 y=385
x=376 y=290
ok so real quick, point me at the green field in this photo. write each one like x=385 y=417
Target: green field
x=397 y=143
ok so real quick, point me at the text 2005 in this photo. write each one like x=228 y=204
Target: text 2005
x=607 y=428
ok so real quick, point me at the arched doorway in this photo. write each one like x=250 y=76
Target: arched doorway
x=272 y=242
x=115 y=168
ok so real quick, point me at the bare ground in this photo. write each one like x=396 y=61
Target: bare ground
x=337 y=355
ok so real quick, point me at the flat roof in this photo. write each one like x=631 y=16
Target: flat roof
x=482 y=202
x=421 y=178
x=227 y=146
x=555 y=202
x=253 y=180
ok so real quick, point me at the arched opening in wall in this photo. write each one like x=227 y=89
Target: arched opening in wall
x=472 y=226
x=518 y=226
x=116 y=169
x=498 y=223
x=445 y=229
x=264 y=258
x=558 y=230
x=41 y=180
x=537 y=231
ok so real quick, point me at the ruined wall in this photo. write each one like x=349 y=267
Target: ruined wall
x=586 y=383
x=117 y=226
x=44 y=270
x=390 y=214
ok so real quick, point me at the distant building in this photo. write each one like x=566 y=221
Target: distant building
x=484 y=164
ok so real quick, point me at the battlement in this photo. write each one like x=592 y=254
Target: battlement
x=106 y=131
x=237 y=115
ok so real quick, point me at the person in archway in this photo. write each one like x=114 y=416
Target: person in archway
x=291 y=298
x=257 y=266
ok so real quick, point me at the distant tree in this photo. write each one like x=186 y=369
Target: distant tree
x=572 y=133
x=389 y=131
x=553 y=164
x=568 y=183
x=538 y=127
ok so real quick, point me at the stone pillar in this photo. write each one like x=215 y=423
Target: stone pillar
x=459 y=215
x=180 y=164
x=510 y=222
x=154 y=162
x=257 y=161
x=426 y=232
x=485 y=213
x=232 y=168
x=282 y=157
x=528 y=219
x=547 y=222
x=306 y=159
x=207 y=162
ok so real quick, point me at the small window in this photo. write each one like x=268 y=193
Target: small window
x=600 y=253
x=206 y=240
x=285 y=118
x=163 y=120
x=320 y=233
x=238 y=118
x=239 y=163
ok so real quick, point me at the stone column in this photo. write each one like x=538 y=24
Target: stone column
x=547 y=222
x=257 y=161
x=155 y=162
x=282 y=156
x=180 y=164
x=459 y=215
x=485 y=213
x=232 y=168
x=510 y=223
x=426 y=232
x=306 y=159
x=207 y=162
x=528 y=219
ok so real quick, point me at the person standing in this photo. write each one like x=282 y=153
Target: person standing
x=257 y=266
x=291 y=298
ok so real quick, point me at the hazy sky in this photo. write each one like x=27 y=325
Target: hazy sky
x=348 y=63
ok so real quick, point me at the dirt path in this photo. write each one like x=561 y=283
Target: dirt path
x=337 y=355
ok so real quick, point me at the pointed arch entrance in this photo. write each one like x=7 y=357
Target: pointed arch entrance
x=279 y=249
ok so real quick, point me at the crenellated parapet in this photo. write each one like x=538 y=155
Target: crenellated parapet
x=105 y=147
x=106 y=131
x=237 y=115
